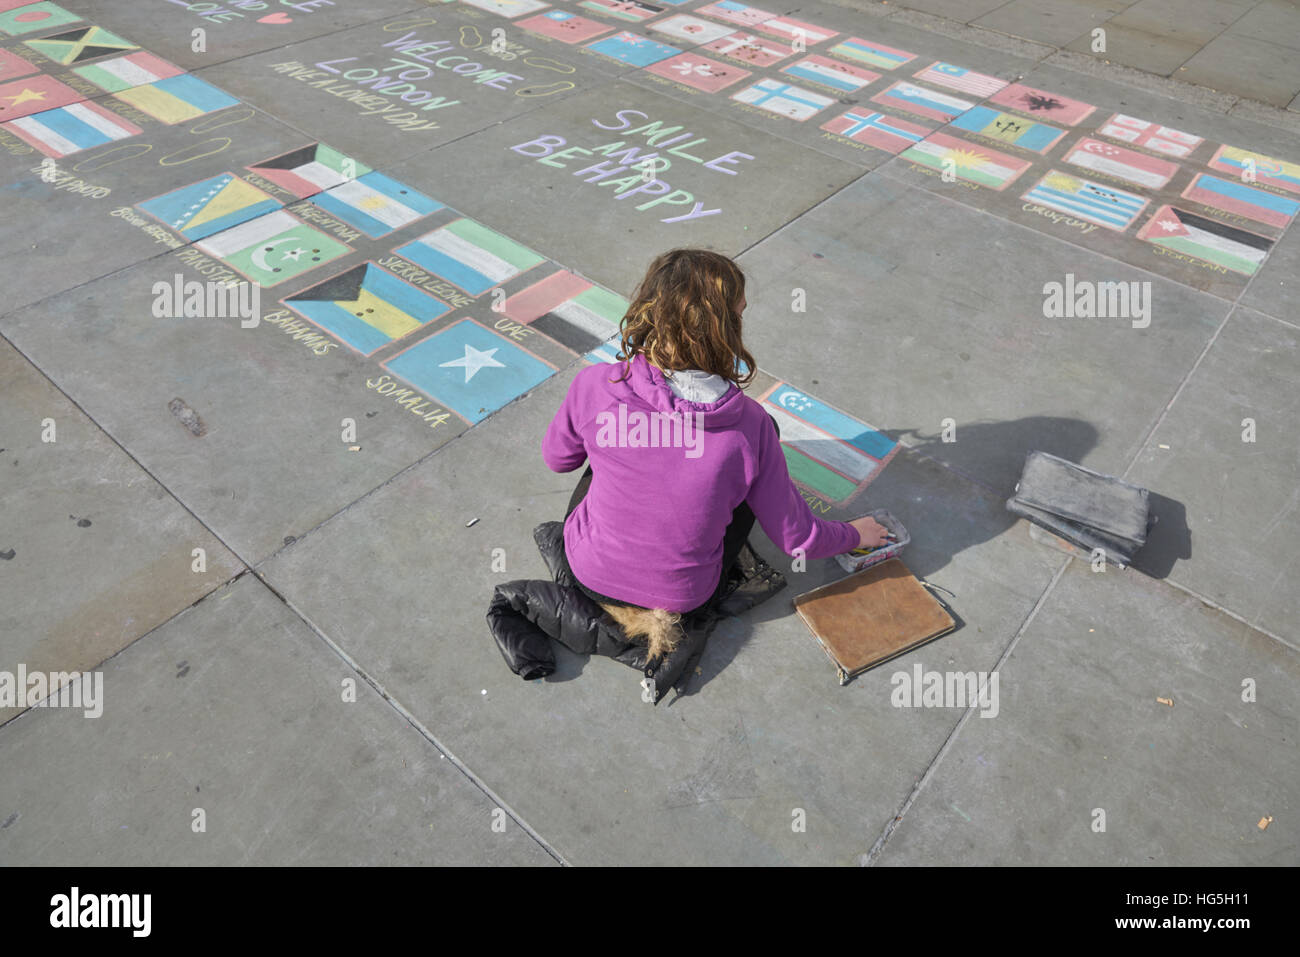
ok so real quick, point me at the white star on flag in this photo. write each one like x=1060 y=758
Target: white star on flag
x=473 y=363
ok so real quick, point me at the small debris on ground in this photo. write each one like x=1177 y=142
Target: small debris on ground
x=1168 y=701
x=1265 y=821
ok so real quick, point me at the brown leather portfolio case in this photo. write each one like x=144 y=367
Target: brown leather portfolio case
x=872 y=616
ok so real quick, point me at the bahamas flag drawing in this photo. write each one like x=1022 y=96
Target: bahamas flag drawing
x=272 y=248
x=367 y=307
x=177 y=98
x=202 y=209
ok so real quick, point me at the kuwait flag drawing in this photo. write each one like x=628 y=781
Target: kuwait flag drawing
x=922 y=102
x=470 y=255
x=829 y=453
x=177 y=98
x=209 y=206
x=1159 y=139
x=71 y=129
x=1128 y=165
x=961 y=79
x=367 y=307
x=273 y=248
x=1016 y=130
x=376 y=204
x=309 y=170
x=1112 y=208
x=871 y=53
x=1232 y=196
x=876 y=129
x=831 y=73
x=1206 y=239
x=124 y=72
x=577 y=314
x=1272 y=172
x=976 y=164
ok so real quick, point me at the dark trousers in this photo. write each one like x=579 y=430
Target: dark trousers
x=733 y=539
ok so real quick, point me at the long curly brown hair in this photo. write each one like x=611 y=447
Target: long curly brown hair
x=685 y=314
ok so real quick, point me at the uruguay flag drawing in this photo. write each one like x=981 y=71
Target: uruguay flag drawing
x=1103 y=205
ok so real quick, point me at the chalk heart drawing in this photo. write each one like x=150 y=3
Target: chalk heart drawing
x=278 y=17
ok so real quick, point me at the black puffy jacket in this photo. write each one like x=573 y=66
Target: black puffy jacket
x=525 y=615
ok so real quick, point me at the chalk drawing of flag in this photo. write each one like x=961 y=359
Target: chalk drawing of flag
x=1016 y=130
x=1092 y=202
x=968 y=161
x=922 y=101
x=564 y=26
x=34 y=95
x=623 y=9
x=829 y=453
x=1207 y=239
x=1233 y=196
x=376 y=204
x=1152 y=136
x=80 y=45
x=470 y=255
x=177 y=98
x=633 y=49
x=576 y=313
x=734 y=12
x=961 y=79
x=310 y=169
x=790 y=28
x=35 y=16
x=1129 y=165
x=699 y=72
x=1040 y=103
x=683 y=26
x=1270 y=171
x=367 y=307
x=832 y=73
x=469 y=369
x=272 y=248
x=608 y=352
x=71 y=129
x=782 y=98
x=509 y=8
x=751 y=49
x=880 y=130
x=12 y=65
x=209 y=206
x=124 y=72
x=871 y=53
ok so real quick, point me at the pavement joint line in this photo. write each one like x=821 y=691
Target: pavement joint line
x=1229 y=612
x=418 y=725
x=878 y=848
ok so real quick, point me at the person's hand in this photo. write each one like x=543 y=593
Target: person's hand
x=871 y=532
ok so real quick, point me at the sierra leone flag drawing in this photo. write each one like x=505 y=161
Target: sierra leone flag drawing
x=577 y=314
x=470 y=255
x=1206 y=239
x=202 y=209
x=177 y=98
x=124 y=72
x=871 y=53
x=71 y=129
x=829 y=453
x=272 y=248
x=1092 y=202
x=367 y=307
x=376 y=204
x=975 y=164
x=80 y=45
x=310 y=169
x=469 y=369
x=1266 y=169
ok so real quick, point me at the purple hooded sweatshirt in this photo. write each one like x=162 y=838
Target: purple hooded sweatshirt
x=649 y=531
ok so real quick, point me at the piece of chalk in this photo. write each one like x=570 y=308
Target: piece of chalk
x=470 y=522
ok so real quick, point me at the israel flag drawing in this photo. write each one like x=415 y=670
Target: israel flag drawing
x=1092 y=202
x=782 y=98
